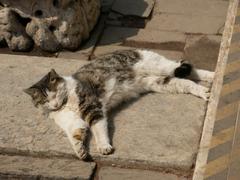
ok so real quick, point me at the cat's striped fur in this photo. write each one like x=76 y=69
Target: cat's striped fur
x=83 y=99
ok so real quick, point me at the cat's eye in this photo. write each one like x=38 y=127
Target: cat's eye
x=53 y=80
x=35 y=94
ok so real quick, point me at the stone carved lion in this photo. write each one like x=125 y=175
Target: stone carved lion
x=50 y=24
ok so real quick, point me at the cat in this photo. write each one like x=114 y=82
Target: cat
x=81 y=101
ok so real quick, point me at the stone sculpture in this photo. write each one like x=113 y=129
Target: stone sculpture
x=50 y=24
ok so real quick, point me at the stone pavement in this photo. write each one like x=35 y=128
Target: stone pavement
x=160 y=142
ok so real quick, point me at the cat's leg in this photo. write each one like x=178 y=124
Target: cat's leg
x=77 y=138
x=176 y=85
x=75 y=129
x=202 y=75
x=99 y=129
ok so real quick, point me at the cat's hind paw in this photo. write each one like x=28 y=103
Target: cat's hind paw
x=105 y=149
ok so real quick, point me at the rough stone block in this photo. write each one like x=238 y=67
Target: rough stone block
x=23 y=167
x=157 y=130
x=186 y=23
x=202 y=51
x=110 y=173
x=214 y=8
x=143 y=38
x=141 y=8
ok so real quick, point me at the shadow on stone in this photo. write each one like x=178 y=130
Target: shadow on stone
x=202 y=51
x=115 y=111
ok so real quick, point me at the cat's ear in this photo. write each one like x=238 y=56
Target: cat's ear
x=31 y=91
x=53 y=76
x=53 y=73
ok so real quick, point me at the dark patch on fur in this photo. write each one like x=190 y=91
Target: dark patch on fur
x=92 y=77
x=89 y=92
x=183 y=71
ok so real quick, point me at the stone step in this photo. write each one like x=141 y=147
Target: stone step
x=33 y=168
x=110 y=173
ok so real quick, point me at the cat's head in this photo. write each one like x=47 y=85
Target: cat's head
x=50 y=92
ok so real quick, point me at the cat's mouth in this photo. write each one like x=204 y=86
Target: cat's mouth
x=57 y=107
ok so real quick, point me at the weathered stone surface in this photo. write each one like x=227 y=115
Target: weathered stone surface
x=116 y=19
x=157 y=130
x=214 y=8
x=110 y=173
x=202 y=51
x=52 y=25
x=141 y=8
x=143 y=38
x=34 y=52
x=186 y=23
x=23 y=167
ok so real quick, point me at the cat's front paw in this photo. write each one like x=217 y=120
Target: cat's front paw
x=80 y=151
x=210 y=77
x=105 y=149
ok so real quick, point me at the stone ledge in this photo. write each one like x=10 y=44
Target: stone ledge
x=110 y=173
x=143 y=38
x=181 y=23
x=213 y=8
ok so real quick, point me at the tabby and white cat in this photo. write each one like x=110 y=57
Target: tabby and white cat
x=81 y=101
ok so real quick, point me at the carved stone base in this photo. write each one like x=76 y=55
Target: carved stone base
x=51 y=24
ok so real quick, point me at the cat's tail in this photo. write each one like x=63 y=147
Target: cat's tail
x=184 y=70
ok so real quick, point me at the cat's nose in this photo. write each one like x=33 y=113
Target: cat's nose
x=56 y=105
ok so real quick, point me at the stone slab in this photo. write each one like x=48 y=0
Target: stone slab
x=142 y=38
x=202 y=50
x=116 y=19
x=134 y=7
x=158 y=130
x=23 y=167
x=110 y=173
x=186 y=23
x=36 y=51
x=214 y=8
